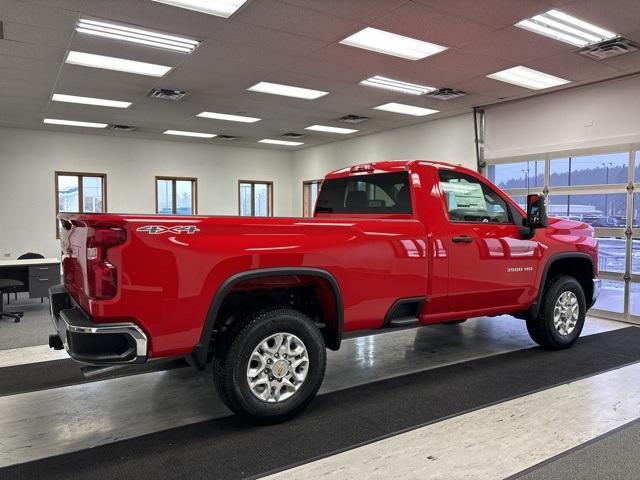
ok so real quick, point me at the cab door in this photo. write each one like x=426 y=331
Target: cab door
x=491 y=264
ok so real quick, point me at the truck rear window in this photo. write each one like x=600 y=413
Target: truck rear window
x=376 y=193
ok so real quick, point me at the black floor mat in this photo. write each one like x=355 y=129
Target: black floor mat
x=227 y=448
x=31 y=377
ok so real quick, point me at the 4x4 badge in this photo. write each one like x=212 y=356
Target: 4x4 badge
x=158 y=229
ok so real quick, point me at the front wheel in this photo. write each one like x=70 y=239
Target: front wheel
x=272 y=367
x=561 y=317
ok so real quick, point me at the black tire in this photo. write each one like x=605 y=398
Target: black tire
x=233 y=351
x=542 y=329
x=456 y=322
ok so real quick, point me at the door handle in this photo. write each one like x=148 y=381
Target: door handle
x=462 y=239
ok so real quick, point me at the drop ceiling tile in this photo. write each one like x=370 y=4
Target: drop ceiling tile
x=297 y=20
x=92 y=82
x=517 y=45
x=29 y=50
x=39 y=15
x=497 y=13
x=361 y=11
x=207 y=56
x=266 y=38
x=424 y=23
x=73 y=5
x=333 y=71
x=30 y=34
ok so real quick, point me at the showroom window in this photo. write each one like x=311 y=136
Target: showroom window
x=255 y=198
x=176 y=196
x=591 y=186
x=309 y=196
x=80 y=193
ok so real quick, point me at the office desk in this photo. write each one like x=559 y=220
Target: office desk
x=37 y=274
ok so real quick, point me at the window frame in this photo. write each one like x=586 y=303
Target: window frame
x=253 y=183
x=194 y=193
x=481 y=180
x=307 y=208
x=80 y=176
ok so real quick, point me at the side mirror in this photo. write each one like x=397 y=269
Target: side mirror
x=536 y=211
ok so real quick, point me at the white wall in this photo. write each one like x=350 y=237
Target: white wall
x=29 y=158
x=448 y=140
x=598 y=115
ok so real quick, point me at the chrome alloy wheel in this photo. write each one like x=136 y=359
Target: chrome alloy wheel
x=566 y=312
x=277 y=367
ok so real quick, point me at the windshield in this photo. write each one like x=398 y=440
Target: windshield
x=377 y=193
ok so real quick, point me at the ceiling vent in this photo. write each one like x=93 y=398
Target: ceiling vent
x=166 y=94
x=446 y=94
x=227 y=138
x=292 y=135
x=610 y=48
x=123 y=128
x=353 y=119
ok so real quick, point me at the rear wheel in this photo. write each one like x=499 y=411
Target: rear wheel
x=270 y=368
x=561 y=316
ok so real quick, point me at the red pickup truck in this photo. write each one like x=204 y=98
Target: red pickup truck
x=392 y=244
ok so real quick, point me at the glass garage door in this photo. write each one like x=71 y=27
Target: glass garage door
x=598 y=187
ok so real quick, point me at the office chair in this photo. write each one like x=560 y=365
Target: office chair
x=15 y=290
x=8 y=285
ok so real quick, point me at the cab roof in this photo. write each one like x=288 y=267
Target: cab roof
x=387 y=166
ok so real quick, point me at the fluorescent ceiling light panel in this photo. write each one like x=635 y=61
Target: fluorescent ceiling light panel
x=392 y=44
x=280 y=142
x=118 y=64
x=100 y=102
x=528 y=78
x=396 y=85
x=73 y=123
x=406 y=109
x=227 y=117
x=325 y=128
x=189 y=134
x=287 y=90
x=131 y=34
x=568 y=29
x=219 y=8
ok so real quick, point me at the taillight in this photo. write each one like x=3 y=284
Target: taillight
x=102 y=275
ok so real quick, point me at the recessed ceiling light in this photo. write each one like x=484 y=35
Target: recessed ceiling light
x=136 y=35
x=406 y=109
x=220 y=8
x=528 y=78
x=280 y=142
x=325 y=128
x=73 y=123
x=118 y=64
x=568 y=29
x=392 y=44
x=101 y=102
x=287 y=90
x=227 y=117
x=189 y=134
x=396 y=85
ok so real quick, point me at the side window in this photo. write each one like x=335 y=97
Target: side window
x=470 y=200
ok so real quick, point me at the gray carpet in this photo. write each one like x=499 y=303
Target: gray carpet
x=612 y=457
x=35 y=327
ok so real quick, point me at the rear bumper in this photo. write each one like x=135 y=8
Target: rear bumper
x=91 y=342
